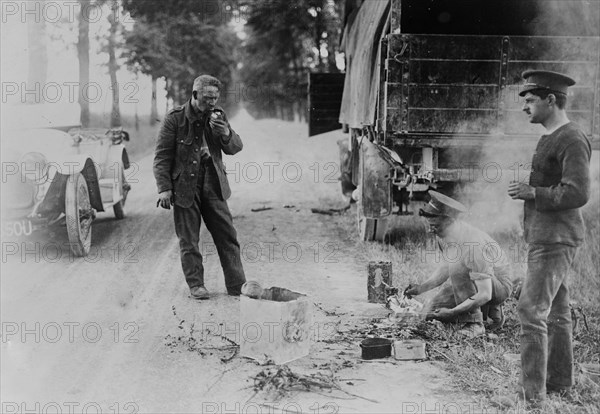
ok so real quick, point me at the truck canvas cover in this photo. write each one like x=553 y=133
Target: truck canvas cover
x=360 y=43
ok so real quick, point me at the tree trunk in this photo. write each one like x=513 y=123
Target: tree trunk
x=153 y=104
x=115 y=115
x=83 y=53
x=318 y=36
x=333 y=27
x=167 y=87
x=38 y=60
x=331 y=49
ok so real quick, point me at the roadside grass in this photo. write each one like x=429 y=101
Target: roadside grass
x=490 y=366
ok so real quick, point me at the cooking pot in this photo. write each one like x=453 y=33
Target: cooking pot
x=373 y=348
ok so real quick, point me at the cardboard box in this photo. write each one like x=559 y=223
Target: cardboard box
x=409 y=349
x=276 y=329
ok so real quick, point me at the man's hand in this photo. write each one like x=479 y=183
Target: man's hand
x=219 y=127
x=165 y=199
x=412 y=290
x=520 y=191
x=442 y=314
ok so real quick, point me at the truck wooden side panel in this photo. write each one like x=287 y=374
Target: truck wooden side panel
x=465 y=87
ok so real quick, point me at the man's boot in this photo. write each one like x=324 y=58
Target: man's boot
x=199 y=292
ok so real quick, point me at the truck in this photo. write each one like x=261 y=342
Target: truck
x=431 y=85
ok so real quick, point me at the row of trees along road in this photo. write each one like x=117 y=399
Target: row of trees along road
x=38 y=54
x=266 y=72
x=287 y=40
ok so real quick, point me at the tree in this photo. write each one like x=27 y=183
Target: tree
x=38 y=56
x=153 y=103
x=285 y=42
x=83 y=54
x=113 y=18
x=180 y=42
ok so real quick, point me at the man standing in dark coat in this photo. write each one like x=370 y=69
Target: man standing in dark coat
x=190 y=175
x=558 y=186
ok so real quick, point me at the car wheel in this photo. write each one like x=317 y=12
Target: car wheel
x=79 y=215
x=119 y=208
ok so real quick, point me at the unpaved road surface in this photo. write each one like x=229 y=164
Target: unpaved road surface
x=102 y=333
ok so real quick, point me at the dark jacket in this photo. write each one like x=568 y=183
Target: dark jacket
x=561 y=176
x=177 y=155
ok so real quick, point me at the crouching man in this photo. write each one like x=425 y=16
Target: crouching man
x=478 y=270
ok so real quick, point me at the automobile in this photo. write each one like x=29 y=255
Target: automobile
x=57 y=179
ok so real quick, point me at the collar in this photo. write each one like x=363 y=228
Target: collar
x=560 y=126
x=190 y=112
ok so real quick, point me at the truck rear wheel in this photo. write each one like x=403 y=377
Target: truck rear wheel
x=79 y=215
x=370 y=229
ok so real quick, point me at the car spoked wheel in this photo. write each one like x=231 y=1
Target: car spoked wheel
x=79 y=215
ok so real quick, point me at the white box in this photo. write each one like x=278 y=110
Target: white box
x=278 y=329
x=409 y=349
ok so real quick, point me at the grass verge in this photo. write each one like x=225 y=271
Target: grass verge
x=489 y=366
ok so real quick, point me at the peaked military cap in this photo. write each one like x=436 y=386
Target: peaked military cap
x=545 y=79
x=441 y=205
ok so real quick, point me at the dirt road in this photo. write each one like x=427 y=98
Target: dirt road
x=88 y=335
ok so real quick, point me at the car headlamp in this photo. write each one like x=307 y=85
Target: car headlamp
x=34 y=168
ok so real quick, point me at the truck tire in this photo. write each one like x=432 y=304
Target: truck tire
x=79 y=215
x=366 y=228
x=370 y=229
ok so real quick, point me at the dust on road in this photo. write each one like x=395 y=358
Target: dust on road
x=89 y=334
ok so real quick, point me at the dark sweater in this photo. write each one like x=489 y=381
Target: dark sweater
x=561 y=176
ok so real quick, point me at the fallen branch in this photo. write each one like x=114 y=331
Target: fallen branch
x=282 y=379
x=321 y=211
x=330 y=211
x=229 y=358
x=326 y=312
x=256 y=210
x=219 y=378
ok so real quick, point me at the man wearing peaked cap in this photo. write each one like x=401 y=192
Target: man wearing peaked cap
x=545 y=80
x=558 y=186
x=441 y=205
x=474 y=263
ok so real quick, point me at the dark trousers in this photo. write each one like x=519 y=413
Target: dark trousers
x=546 y=332
x=461 y=287
x=208 y=205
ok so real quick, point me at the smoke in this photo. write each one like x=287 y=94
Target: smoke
x=566 y=18
x=486 y=189
x=497 y=164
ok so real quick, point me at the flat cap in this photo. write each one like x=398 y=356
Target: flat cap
x=442 y=205
x=545 y=79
